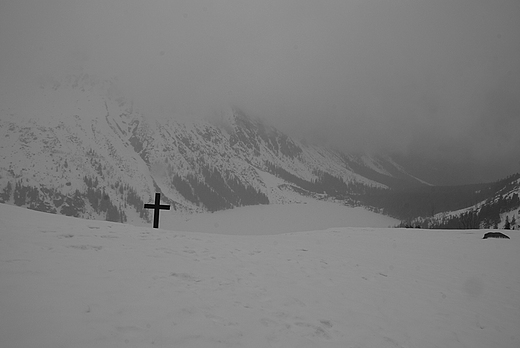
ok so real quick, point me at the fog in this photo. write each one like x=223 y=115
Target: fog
x=437 y=80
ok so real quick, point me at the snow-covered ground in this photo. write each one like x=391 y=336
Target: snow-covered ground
x=68 y=282
x=307 y=215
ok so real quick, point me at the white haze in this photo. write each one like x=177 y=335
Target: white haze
x=436 y=79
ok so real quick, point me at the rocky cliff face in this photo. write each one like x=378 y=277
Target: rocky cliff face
x=78 y=149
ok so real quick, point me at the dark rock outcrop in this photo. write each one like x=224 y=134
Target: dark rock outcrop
x=495 y=235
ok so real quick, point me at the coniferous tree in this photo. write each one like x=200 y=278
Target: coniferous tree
x=507 y=224
x=19 y=194
x=6 y=194
x=78 y=200
x=112 y=213
x=104 y=201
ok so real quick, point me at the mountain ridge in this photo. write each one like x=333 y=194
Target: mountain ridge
x=78 y=147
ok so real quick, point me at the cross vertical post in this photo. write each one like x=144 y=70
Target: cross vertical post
x=156 y=208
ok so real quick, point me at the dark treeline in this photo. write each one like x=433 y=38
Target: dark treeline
x=216 y=192
x=487 y=216
x=324 y=183
x=100 y=201
x=50 y=200
x=283 y=174
x=33 y=197
x=398 y=181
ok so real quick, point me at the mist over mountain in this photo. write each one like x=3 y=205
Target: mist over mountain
x=437 y=83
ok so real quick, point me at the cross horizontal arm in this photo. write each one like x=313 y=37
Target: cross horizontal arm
x=160 y=206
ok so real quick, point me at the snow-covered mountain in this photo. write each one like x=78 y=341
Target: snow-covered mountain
x=78 y=147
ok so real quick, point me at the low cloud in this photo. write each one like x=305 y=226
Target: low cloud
x=437 y=79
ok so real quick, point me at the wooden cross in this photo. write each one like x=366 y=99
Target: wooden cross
x=156 y=207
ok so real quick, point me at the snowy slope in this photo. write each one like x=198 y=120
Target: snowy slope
x=68 y=282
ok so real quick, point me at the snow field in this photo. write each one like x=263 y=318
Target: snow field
x=68 y=282
x=306 y=215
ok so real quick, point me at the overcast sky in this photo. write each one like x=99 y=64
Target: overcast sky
x=436 y=78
